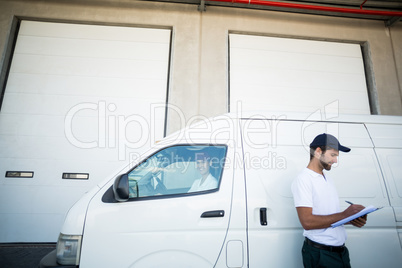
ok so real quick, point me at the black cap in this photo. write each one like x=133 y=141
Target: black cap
x=328 y=140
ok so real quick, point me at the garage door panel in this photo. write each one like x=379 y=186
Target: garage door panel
x=285 y=103
x=297 y=93
x=98 y=32
x=293 y=45
x=85 y=86
x=17 y=103
x=30 y=148
x=296 y=75
x=34 y=104
x=79 y=98
x=305 y=79
x=56 y=65
x=50 y=125
x=87 y=48
x=285 y=99
x=92 y=121
x=106 y=169
x=291 y=60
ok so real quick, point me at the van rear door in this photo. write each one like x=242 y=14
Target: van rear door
x=164 y=224
x=274 y=152
x=388 y=146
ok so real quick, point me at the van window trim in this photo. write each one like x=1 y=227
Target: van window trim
x=108 y=196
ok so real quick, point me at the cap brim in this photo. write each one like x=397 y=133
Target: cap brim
x=343 y=149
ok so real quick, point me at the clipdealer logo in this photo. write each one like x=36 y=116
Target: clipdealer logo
x=101 y=125
x=98 y=125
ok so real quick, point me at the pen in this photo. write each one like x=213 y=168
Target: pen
x=349 y=202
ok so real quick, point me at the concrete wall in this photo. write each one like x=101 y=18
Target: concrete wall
x=199 y=76
x=396 y=37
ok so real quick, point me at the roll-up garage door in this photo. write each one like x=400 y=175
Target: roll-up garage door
x=283 y=74
x=80 y=102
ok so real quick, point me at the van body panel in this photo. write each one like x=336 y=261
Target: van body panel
x=159 y=232
x=282 y=131
x=75 y=218
x=388 y=143
x=386 y=135
x=269 y=171
x=391 y=162
x=358 y=178
x=236 y=238
x=374 y=246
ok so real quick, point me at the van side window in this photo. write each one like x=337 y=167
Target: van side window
x=178 y=170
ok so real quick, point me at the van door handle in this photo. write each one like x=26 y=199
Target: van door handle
x=213 y=214
x=263 y=216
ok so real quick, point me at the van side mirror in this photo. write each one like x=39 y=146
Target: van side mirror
x=120 y=188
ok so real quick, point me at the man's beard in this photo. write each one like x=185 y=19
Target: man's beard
x=326 y=166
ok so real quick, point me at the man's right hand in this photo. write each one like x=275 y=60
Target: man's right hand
x=352 y=209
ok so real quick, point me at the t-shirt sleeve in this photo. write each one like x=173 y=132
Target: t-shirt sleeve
x=302 y=192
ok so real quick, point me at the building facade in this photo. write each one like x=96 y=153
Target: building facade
x=71 y=111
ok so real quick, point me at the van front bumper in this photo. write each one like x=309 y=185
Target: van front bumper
x=49 y=261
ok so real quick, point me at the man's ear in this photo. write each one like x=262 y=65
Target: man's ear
x=318 y=152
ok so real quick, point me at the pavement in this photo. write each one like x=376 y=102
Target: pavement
x=23 y=255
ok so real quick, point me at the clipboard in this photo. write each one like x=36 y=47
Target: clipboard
x=363 y=212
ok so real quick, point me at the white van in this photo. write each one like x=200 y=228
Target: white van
x=147 y=216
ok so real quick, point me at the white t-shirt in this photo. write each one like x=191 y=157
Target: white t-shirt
x=209 y=183
x=311 y=189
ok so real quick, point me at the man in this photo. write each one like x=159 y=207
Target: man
x=317 y=204
x=207 y=181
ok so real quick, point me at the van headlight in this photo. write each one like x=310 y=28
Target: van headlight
x=69 y=249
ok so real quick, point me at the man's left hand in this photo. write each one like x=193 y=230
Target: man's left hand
x=359 y=222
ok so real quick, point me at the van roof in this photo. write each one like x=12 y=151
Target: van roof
x=381 y=131
x=318 y=116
